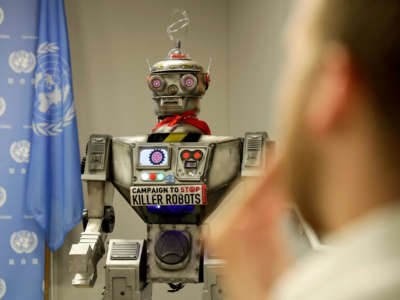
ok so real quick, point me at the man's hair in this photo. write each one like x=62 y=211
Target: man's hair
x=370 y=30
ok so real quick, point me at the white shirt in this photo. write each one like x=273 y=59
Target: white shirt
x=362 y=264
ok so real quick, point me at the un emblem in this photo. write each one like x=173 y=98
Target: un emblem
x=3 y=196
x=3 y=288
x=53 y=106
x=1 y=15
x=2 y=106
x=22 y=61
x=20 y=150
x=24 y=241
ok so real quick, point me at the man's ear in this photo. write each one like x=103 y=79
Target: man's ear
x=332 y=93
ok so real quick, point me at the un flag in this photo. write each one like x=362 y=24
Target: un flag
x=54 y=189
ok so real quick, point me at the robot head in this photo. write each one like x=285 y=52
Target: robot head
x=177 y=83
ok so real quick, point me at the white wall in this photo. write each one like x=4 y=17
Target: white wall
x=255 y=55
x=110 y=41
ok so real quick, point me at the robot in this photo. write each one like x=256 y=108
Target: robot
x=173 y=178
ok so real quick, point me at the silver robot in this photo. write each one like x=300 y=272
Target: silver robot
x=173 y=179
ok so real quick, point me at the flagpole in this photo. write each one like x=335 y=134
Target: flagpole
x=47 y=274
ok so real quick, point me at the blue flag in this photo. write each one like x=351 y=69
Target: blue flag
x=54 y=189
x=22 y=254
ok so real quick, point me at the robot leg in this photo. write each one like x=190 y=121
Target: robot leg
x=126 y=271
x=212 y=289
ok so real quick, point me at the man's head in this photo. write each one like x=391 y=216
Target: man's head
x=342 y=120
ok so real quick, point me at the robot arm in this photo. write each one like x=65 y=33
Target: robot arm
x=257 y=147
x=98 y=219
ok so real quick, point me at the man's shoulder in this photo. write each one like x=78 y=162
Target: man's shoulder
x=365 y=266
x=351 y=278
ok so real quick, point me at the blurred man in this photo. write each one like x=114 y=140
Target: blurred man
x=339 y=162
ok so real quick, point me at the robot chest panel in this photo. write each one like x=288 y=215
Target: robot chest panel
x=205 y=162
x=170 y=163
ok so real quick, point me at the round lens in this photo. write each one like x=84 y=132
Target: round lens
x=172 y=90
x=185 y=155
x=160 y=176
x=189 y=81
x=197 y=155
x=156 y=83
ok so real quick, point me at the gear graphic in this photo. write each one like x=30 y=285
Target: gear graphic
x=157 y=157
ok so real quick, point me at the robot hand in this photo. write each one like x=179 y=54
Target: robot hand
x=85 y=255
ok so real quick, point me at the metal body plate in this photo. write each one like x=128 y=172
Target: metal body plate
x=189 y=273
x=162 y=195
x=125 y=271
x=125 y=251
x=217 y=168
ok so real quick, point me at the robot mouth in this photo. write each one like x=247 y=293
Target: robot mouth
x=158 y=98
x=167 y=105
x=171 y=101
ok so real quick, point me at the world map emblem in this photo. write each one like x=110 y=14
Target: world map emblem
x=22 y=61
x=3 y=196
x=1 y=15
x=20 y=150
x=2 y=106
x=24 y=241
x=53 y=105
x=3 y=288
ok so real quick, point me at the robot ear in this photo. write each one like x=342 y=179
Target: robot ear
x=148 y=64
x=206 y=79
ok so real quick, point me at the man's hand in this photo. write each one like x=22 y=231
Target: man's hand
x=246 y=232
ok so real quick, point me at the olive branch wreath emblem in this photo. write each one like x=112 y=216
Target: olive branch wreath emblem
x=46 y=128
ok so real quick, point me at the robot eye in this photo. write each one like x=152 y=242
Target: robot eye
x=189 y=82
x=206 y=80
x=156 y=83
x=198 y=155
x=185 y=155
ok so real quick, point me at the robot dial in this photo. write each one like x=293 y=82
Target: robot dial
x=157 y=157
